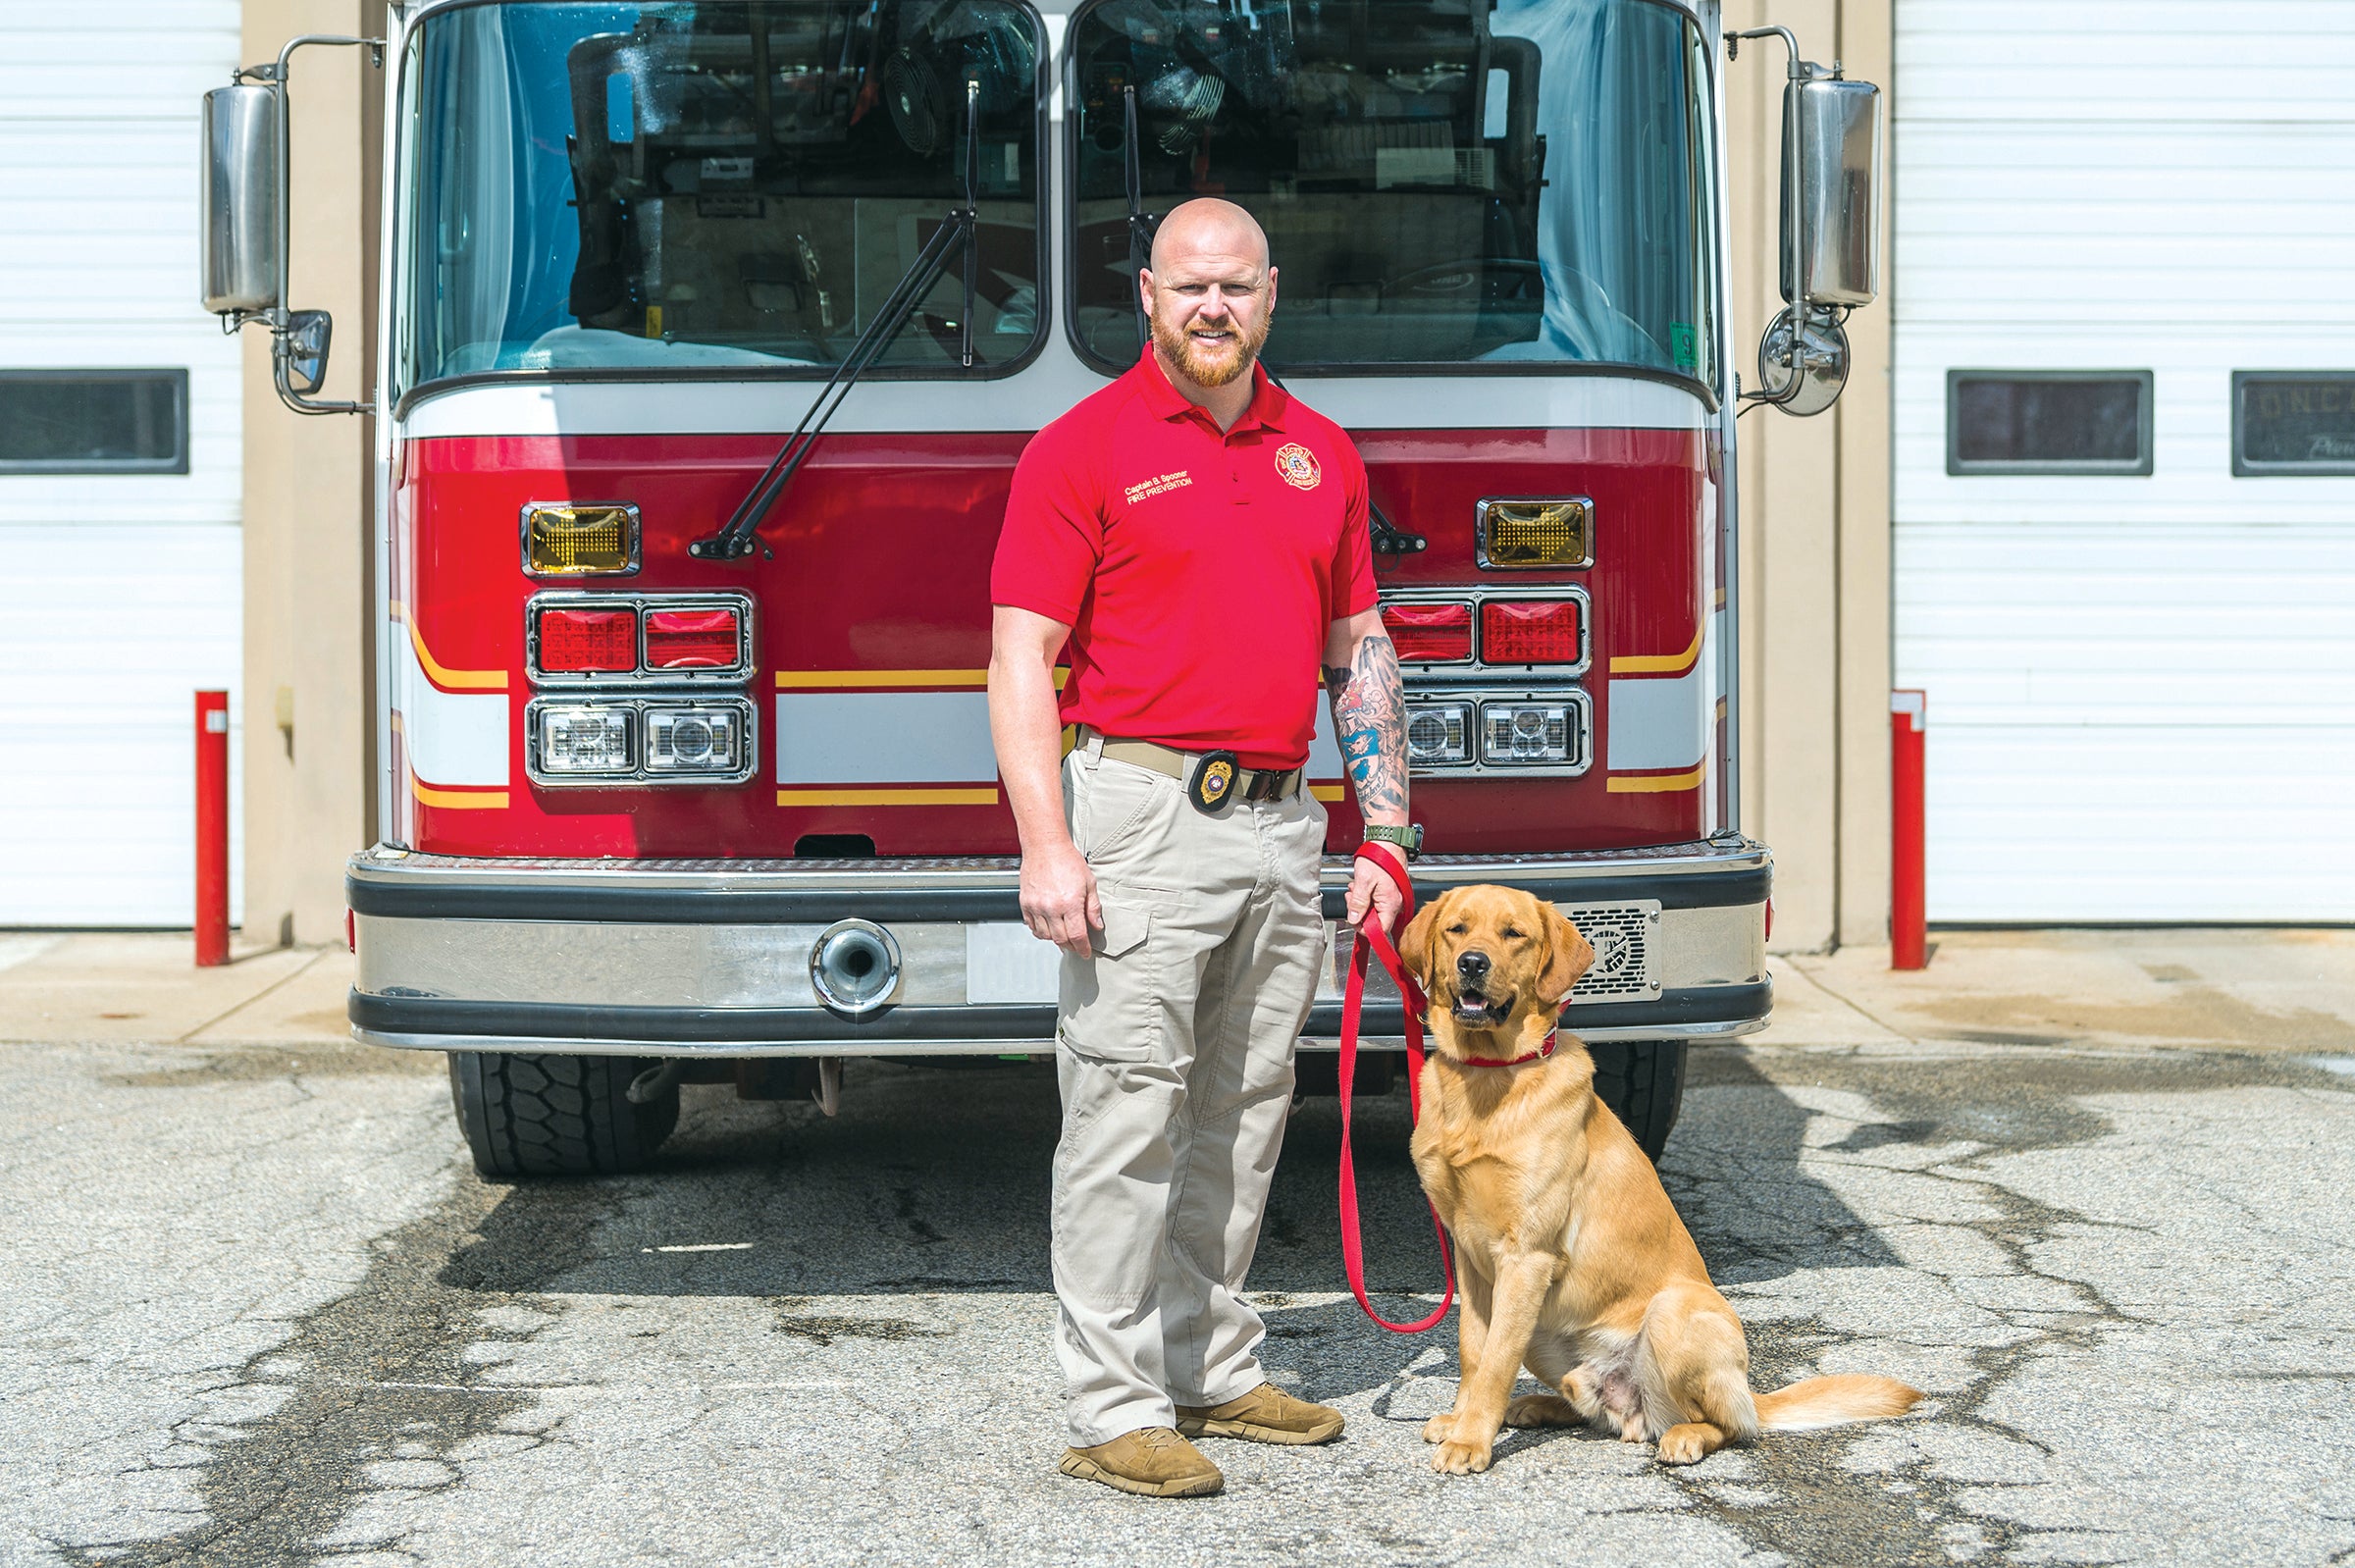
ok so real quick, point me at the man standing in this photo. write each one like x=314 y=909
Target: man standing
x=1198 y=539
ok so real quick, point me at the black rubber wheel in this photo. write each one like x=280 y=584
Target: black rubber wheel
x=551 y=1115
x=1642 y=1081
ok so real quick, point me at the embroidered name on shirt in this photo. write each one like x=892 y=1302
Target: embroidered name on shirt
x=1176 y=480
x=1298 y=465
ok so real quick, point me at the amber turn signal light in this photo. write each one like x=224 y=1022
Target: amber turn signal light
x=1515 y=532
x=573 y=538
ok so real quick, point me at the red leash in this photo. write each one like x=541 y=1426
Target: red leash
x=1371 y=936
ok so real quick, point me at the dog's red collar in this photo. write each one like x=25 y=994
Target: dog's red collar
x=1539 y=1055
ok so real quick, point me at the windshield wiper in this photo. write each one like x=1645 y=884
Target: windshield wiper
x=972 y=209
x=1141 y=224
x=737 y=537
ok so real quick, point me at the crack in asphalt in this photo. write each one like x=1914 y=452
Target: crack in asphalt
x=358 y=1402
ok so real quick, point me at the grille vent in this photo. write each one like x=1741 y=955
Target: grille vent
x=1621 y=936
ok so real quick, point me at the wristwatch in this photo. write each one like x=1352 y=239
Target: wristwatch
x=1409 y=838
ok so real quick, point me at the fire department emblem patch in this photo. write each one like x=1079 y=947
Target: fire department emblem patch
x=1298 y=466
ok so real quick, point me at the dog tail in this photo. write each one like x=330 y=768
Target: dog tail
x=1816 y=1402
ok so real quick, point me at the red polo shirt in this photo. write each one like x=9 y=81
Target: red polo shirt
x=1198 y=569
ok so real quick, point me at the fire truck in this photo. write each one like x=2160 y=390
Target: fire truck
x=710 y=331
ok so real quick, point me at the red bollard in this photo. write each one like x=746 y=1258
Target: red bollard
x=1909 y=901
x=212 y=829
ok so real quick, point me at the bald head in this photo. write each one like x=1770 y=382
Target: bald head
x=1206 y=227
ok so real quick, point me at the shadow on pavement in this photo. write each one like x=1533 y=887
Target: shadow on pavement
x=937 y=1180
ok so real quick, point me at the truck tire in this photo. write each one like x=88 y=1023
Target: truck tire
x=549 y=1116
x=1642 y=1081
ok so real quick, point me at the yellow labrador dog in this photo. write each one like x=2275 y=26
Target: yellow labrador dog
x=1571 y=1258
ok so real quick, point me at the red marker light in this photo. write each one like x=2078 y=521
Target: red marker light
x=582 y=642
x=692 y=639
x=1430 y=633
x=1542 y=631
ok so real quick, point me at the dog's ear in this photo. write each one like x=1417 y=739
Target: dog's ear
x=1567 y=956
x=1414 y=943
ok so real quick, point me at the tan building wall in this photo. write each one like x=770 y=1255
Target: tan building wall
x=309 y=736
x=1814 y=495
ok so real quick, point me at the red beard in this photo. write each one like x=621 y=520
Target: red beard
x=1208 y=367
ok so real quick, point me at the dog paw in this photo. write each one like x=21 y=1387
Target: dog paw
x=1684 y=1445
x=1540 y=1410
x=1456 y=1458
x=1438 y=1428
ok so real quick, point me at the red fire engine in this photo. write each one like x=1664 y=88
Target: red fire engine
x=710 y=333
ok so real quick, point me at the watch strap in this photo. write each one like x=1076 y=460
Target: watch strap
x=1408 y=838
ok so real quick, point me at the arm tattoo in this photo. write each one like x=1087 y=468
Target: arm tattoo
x=1369 y=712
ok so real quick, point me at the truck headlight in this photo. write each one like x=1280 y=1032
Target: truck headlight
x=701 y=739
x=1439 y=734
x=585 y=739
x=1528 y=734
x=674 y=738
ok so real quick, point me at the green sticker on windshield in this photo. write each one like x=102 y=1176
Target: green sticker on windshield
x=1683 y=345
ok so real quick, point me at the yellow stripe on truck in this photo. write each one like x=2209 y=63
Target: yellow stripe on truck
x=462 y=680
x=1655 y=784
x=954 y=797
x=458 y=800
x=1660 y=664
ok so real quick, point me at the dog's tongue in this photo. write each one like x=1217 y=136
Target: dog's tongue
x=1471 y=1010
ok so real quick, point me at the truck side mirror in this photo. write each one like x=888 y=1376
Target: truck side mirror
x=239 y=201
x=306 y=348
x=1831 y=177
x=1830 y=251
x=245 y=200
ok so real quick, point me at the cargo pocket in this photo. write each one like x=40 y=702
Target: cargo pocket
x=1110 y=1002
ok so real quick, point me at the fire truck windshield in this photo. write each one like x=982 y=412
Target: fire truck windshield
x=676 y=187
x=1443 y=184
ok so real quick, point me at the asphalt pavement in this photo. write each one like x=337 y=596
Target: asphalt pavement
x=2088 y=1190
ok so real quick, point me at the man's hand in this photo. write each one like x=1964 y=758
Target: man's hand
x=1058 y=890
x=1371 y=885
x=1059 y=899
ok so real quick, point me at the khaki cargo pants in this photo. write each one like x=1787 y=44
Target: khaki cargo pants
x=1175 y=1049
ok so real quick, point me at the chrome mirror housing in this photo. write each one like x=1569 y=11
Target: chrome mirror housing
x=239 y=201
x=1802 y=361
x=1831 y=253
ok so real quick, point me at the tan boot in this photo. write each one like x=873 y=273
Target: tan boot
x=1267 y=1414
x=1152 y=1462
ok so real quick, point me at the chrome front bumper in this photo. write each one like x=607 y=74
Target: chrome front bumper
x=711 y=958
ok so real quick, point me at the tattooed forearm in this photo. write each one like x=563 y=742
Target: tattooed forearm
x=1369 y=713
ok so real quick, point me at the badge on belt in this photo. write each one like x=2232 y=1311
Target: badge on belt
x=1213 y=782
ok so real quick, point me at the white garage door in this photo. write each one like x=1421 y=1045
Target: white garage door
x=120 y=463
x=2141 y=684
